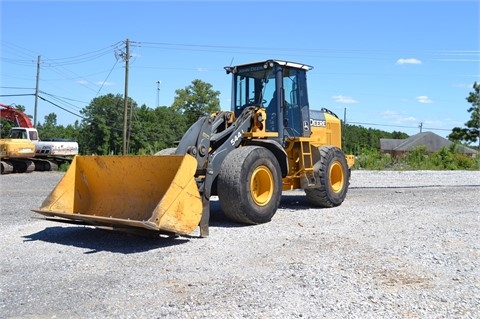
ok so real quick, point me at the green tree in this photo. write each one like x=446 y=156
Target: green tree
x=102 y=127
x=196 y=100
x=22 y=109
x=49 y=128
x=72 y=132
x=471 y=132
x=5 y=127
x=398 y=135
x=358 y=138
x=156 y=129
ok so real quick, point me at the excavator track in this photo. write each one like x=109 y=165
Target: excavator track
x=11 y=166
x=17 y=166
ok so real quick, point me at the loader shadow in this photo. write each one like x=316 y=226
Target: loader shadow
x=98 y=240
x=291 y=201
x=295 y=200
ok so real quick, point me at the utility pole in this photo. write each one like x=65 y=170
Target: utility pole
x=478 y=112
x=420 y=126
x=36 y=93
x=125 y=110
x=158 y=93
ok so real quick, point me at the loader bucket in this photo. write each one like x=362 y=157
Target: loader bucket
x=148 y=192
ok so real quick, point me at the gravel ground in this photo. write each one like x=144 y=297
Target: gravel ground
x=402 y=245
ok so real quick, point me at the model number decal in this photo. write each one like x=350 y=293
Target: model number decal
x=318 y=123
x=234 y=139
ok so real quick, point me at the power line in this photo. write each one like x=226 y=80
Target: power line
x=63 y=72
x=78 y=115
x=57 y=65
x=62 y=97
x=374 y=124
x=62 y=100
x=62 y=108
x=85 y=57
x=54 y=62
x=399 y=126
x=10 y=95
x=332 y=53
x=16 y=88
x=296 y=49
x=436 y=129
x=107 y=77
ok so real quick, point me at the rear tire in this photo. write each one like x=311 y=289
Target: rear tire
x=250 y=185
x=332 y=170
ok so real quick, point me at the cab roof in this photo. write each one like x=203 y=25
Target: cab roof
x=279 y=62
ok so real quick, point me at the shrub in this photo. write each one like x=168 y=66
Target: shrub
x=448 y=158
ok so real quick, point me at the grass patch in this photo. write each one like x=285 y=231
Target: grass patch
x=448 y=158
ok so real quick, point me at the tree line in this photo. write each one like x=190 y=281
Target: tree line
x=100 y=131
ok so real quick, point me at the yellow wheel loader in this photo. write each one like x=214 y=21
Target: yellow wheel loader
x=271 y=141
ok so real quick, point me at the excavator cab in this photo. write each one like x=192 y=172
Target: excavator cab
x=18 y=133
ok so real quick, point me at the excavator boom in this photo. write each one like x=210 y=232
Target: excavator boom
x=16 y=116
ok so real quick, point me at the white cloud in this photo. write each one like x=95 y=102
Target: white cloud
x=408 y=119
x=444 y=123
x=82 y=82
x=409 y=61
x=202 y=69
x=423 y=99
x=398 y=118
x=463 y=85
x=344 y=99
x=389 y=113
x=105 y=83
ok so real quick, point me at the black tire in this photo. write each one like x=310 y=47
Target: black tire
x=332 y=170
x=250 y=185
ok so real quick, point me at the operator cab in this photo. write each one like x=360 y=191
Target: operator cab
x=278 y=86
x=17 y=133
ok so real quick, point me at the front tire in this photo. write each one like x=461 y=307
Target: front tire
x=250 y=185
x=332 y=170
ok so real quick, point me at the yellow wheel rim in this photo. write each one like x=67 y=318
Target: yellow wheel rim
x=337 y=176
x=261 y=185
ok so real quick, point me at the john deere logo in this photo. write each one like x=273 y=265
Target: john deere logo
x=318 y=123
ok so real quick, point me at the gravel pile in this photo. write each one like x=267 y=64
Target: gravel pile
x=402 y=245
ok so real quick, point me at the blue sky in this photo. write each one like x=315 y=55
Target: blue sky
x=388 y=65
